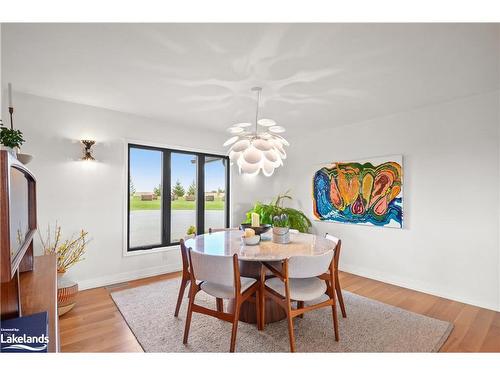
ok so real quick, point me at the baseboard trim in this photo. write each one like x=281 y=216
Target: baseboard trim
x=128 y=276
x=414 y=285
x=360 y=271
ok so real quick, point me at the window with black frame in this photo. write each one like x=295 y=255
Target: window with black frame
x=174 y=193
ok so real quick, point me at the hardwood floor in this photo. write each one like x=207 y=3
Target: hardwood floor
x=96 y=325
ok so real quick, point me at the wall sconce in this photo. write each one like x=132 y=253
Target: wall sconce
x=87 y=152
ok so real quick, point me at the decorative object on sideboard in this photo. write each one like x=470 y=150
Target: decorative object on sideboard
x=298 y=220
x=87 y=150
x=260 y=149
x=368 y=191
x=12 y=139
x=68 y=252
x=281 y=229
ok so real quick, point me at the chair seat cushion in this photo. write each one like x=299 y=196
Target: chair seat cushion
x=226 y=291
x=306 y=289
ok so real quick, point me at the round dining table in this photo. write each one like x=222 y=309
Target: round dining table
x=229 y=242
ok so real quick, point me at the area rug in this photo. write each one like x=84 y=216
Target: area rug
x=370 y=326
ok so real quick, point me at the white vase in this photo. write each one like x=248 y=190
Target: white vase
x=10 y=150
x=281 y=235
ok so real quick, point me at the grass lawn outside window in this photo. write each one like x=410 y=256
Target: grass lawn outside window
x=178 y=204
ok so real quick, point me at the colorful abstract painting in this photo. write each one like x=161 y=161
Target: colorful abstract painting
x=360 y=192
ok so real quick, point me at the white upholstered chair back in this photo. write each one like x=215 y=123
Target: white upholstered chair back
x=212 y=268
x=301 y=267
x=332 y=238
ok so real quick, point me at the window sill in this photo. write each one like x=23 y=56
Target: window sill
x=165 y=249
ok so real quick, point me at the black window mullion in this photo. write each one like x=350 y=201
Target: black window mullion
x=166 y=200
x=128 y=198
x=226 y=195
x=166 y=214
x=200 y=199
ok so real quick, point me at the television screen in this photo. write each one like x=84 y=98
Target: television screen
x=19 y=219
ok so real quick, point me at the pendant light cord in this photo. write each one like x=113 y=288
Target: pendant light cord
x=257 y=111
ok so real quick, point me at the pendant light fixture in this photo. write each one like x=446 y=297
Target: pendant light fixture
x=259 y=149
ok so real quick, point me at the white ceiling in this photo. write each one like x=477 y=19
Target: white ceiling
x=313 y=75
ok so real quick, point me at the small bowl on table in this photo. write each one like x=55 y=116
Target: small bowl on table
x=258 y=230
x=251 y=241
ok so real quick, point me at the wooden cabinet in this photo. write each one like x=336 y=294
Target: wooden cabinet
x=39 y=293
x=28 y=283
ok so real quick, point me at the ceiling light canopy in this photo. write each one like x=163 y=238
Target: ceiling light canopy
x=258 y=150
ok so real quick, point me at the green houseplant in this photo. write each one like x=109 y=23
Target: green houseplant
x=11 y=138
x=296 y=218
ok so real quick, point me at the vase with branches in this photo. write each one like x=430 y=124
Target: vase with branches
x=69 y=251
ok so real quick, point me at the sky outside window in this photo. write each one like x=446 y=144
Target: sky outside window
x=144 y=166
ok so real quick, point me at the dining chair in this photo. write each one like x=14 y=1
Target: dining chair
x=336 y=258
x=298 y=280
x=219 y=276
x=186 y=276
x=215 y=230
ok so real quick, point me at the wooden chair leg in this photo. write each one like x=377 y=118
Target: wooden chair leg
x=220 y=304
x=189 y=315
x=236 y=317
x=334 y=315
x=300 y=305
x=262 y=297
x=339 y=295
x=291 y=335
x=257 y=309
x=289 y=318
x=180 y=296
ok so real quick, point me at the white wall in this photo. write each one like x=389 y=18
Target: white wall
x=449 y=245
x=91 y=195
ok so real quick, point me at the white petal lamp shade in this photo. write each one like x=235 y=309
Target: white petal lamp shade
x=230 y=141
x=235 y=130
x=266 y=122
x=252 y=155
x=276 y=129
x=262 y=144
x=283 y=140
x=273 y=156
x=278 y=146
x=247 y=167
x=241 y=145
x=258 y=146
x=267 y=168
x=234 y=156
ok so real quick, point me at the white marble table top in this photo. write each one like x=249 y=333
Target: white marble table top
x=229 y=243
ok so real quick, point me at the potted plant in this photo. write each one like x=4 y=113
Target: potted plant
x=11 y=139
x=281 y=229
x=68 y=253
x=267 y=211
x=191 y=230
